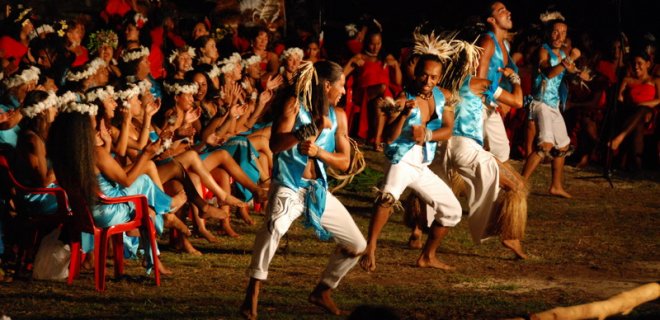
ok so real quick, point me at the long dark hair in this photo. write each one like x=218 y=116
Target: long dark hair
x=70 y=147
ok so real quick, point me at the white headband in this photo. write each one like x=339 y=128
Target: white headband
x=91 y=69
x=145 y=85
x=101 y=93
x=176 y=52
x=34 y=110
x=292 y=52
x=68 y=97
x=83 y=108
x=124 y=95
x=29 y=74
x=135 y=55
x=230 y=63
x=252 y=60
x=177 y=89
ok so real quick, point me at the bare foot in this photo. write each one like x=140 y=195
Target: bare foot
x=206 y=234
x=188 y=248
x=249 y=307
x=433 y=262
x=226 y=225
x=212 y=212
x=261 y=194
x=560 y=192
x=245 y=216
x=234 y=202
x=172 y=221
x=516 y=247
x=88 y=263
x=368 y=261
x=321 y=297
x=415 y=240
x=163 y=269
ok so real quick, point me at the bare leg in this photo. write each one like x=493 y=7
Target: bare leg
x=320 y=296
x=629 y=126
x=556 y=188
x=428 y=258
x=222 y=159
x=415 y=240
x=529 y=137
x=533 y=160
x=249 y=306
x=378 y=221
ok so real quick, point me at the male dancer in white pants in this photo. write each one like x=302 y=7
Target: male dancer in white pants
x=494 y=59
x=299 y=186
x=412 y=136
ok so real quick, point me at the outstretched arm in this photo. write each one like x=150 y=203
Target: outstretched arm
x=282 y=137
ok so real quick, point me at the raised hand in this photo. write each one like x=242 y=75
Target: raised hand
x=274 y=82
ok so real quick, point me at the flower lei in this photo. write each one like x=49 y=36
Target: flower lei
x=230 y=63
x=297 y=52
x=214 y=73
x=34 y=110
x=90 y=109
x=42 y=29
x=127 y=56
x=177 y=89
x=91 y=69
x=100 y=94
x=252 y=60
x=102 y=38
x=145 y=85
x=29 y=74
x=130 y=92
x=176 y=52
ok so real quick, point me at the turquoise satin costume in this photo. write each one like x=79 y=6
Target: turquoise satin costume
x=288 y=167
x=397 y=149
x=469 y=114
x=497 y=62
x=10 y=136
x=546 y=89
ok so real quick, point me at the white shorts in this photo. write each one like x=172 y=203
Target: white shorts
x=495 y=139
x=551 y=126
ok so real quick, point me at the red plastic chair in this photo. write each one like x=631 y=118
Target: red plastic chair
x=34 y=223
x=103 y=235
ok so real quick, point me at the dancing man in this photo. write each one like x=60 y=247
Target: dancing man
x=500 y=94
x=423 y=117
x=553 y=140
x=299 y=187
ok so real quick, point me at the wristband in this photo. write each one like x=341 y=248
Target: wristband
x=429 y=135
x=498 y=92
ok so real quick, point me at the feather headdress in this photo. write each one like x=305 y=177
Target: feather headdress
x=305 y=78
x=550 y=16
x=268 y=12
x=460 y=58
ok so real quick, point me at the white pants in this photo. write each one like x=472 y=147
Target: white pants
x=285 y=206
x=481 y=174
x=411 y=172
x=495 y=139
x=551 y=125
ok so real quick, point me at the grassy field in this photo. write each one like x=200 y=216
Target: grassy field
x=599 y=243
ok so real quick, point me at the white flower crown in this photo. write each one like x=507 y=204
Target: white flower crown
x=176 y=89
x=100 y=94
x=34 y=110
x=29 y=74
x=90 y=70
x=79 y=107
x=68 y=97
x=176 y=52
x=214 y=73
x=250 y=61
x=230 y=63
x=292 y=52
x=124 y=95
x=45 y=28
x=351 y=30
x=145 y=85
x=135 y=55
x=549 y=16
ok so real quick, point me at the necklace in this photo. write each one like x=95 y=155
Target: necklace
x=370 y=54
x=425 y=96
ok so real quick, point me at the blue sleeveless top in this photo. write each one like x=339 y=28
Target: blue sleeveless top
x=289 y=165
x=469 y=114
x=10 y=136
x=546 y=89
x=397 y=149
x=497 y=62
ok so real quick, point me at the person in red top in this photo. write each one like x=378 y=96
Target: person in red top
x=640 y=93
x=14 y=43
x=376 y=76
